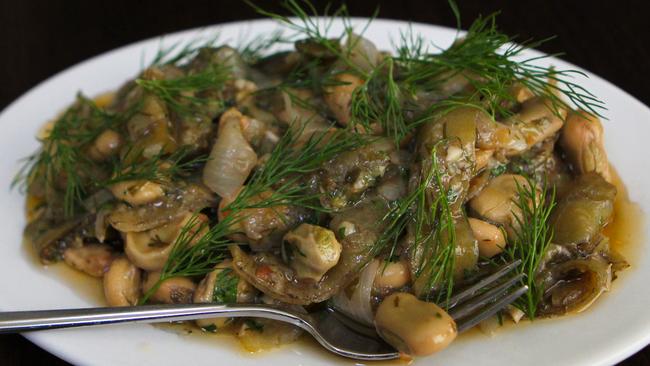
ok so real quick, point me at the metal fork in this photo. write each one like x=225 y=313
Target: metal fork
x=333 y=330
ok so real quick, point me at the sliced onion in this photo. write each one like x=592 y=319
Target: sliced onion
x=232 y=158
x=101 y=224
x=356 y=303
x=515 y=313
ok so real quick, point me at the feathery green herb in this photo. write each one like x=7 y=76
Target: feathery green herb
x=309 y=75
x=225 y=287
x=179 y=53
x=533 y=236
x=484 y=58
x=307 y=22
x=195 y=252
x=434 y=233
x=378 y=100
x=491 y=63
x=282 y=174
x=184 y=95
x=251 y=51
x=159 y=168
x=62 y=160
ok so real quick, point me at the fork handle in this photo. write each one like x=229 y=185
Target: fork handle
x=23 y=321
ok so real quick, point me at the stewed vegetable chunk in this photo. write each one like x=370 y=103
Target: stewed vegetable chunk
x=312 y=251
x=223 y=286
x=583 y=211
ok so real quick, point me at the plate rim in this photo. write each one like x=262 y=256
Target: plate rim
x=44 y=341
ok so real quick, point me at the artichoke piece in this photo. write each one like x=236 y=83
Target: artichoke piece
x=585 y=209
x=347 y=177
x=177 y=201
x=572 y=286
x=311 y=251
x=278 y=64
x=270 y=275
x=263 y=227
x=454 y=136
x=51 y=238
x=465 y=258
x=312 y=48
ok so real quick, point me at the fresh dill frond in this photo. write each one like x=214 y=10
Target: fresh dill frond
x=180 y=52
x=533 y=234
x=434 y=233
x=61 y=163
x=379 y=100
x=159 y=168
x=491 y=63
x=306 y=76
x=185 y=94
x=251 y=51
x=438 y=244
x=281 y=175
x=195 y=252
x=310 y=75
x=306 y=21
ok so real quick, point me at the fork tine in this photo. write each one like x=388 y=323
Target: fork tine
x=483 y=283
x=489 y=296
x=468 y=323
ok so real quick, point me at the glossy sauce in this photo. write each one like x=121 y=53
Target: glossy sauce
x=625 y=233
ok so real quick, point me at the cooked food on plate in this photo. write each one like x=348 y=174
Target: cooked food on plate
x=332 y=173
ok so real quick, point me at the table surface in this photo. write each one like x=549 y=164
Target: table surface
x=38 y=39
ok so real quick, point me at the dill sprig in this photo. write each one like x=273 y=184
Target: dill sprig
x=159 y=168
x=282 y=173
x=195 y=252
x=184 y=94
x=379 y=100
x=491 y=63
x=306 y=21
x=61 y=160
x=180 y=52
x=434 y=232
x=533 y=234
x=251 y=51
x=309 y=75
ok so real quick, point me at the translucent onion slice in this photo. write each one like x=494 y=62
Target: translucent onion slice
x=231 y=159
x=355 y=300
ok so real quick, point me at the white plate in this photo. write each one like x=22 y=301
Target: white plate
x=616 y=327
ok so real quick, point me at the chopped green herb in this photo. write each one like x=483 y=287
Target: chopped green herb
x=197 y=249
x=184 y=94
x=498 y=170
x=210 y=328
x=225 y=287
x=254 y=325
x=533 y=236
x=282 y=173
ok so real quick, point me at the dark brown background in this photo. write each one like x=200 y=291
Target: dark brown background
x=39 y=38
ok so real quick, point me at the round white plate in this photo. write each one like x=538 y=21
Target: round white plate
x=616 y=327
